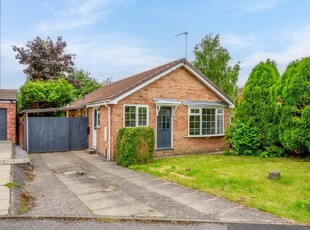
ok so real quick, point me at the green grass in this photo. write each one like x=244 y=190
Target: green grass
x=243 y=180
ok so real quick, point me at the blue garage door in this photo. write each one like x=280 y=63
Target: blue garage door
x=3 y=124
x=55 y=134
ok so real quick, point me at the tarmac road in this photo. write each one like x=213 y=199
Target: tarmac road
x=13 y=224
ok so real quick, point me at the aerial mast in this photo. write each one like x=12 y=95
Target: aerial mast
x=184 y=33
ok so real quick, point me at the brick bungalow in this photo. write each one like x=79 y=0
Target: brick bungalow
x=186 y=110
x=8 y=114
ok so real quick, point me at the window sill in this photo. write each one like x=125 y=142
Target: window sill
x=161 y=149
x=205 y=136
x=135 y=126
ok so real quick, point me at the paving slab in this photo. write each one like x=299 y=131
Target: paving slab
x=105 y=189
x=5 y=193
x=53 y=198
x=212 y=207
x=6 y=150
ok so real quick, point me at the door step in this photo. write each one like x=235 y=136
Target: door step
x=91 y=151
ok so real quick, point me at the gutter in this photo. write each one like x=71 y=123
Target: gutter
x=99 y=103
x=109 y=130
x=27 y=132
x=104 y=103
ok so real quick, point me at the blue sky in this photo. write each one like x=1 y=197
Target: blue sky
x=118 y=38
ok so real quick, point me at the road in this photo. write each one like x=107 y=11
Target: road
x=49 y=224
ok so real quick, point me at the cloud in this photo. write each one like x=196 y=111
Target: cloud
x=74 y=16
x=11 y=73
x=255 y=6
x=238 y=43
x=297 y=46
x=114 y=55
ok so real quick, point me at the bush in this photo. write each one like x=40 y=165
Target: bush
x=258 y=105
x=243 y=138
x=40 y=94
x=275 y=151
x=135 y=146
x=294 y=126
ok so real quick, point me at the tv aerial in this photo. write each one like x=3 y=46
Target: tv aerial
x=184 y=33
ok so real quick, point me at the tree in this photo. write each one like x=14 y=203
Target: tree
x=50 y=94
x=294 y=95
x=212 y=60
x=257 y=108
x=87 y=84
x=46 y=60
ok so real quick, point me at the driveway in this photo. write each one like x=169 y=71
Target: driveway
x=79 y=184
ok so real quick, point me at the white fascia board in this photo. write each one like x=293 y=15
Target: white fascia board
x=116 y=100
x=8 y=102
x=97 y=104
x=231 y=105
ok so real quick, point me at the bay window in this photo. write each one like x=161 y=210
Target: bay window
x=206 y=122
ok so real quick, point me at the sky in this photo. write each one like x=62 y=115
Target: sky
x=118 y=38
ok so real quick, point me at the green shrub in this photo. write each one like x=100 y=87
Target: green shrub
x=294 y=125
x=243 y=138
x=275 y=151
x=258 y=105
x=134 y=146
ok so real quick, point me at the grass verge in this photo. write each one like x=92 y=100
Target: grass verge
x=243 y=180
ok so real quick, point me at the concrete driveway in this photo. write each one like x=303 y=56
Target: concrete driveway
x=79 y=184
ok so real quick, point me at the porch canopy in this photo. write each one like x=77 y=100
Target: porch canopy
x=163 y=102
x=204 y=104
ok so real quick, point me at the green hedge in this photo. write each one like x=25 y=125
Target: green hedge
x=135 y=146
x=243 y=138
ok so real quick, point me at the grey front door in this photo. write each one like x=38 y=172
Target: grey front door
x=164 y=128
x=3 y=124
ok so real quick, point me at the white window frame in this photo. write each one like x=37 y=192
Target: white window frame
x=97 y=122
x=98 y=117
x=137 y=106
x=231 y=118
x=200 y=115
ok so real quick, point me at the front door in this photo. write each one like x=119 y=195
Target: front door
x=94 y=128
x=164 y=128
x=3 y=124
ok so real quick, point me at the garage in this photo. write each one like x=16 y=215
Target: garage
x=53 y=134
x=8 y=100
x=3 y=124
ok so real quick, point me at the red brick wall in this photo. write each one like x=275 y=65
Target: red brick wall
x=11 y=120
x=21 y=132
x=75 y=113
x=102 y=142
x=180 y=85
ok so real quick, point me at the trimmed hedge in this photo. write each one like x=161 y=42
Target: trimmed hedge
x=135 y=146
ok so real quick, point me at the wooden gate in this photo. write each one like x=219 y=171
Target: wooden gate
x=55 y=134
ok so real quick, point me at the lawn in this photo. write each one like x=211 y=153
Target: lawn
x=243 y=180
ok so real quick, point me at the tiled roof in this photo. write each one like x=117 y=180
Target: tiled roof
x=115 y=89
x=8 y=95
x=119 y=88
